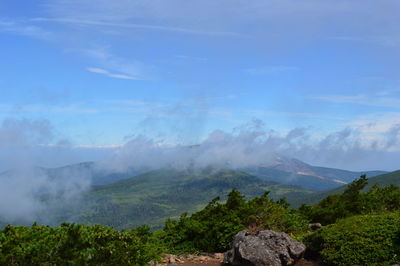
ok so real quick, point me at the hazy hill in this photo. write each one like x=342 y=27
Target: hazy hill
x=152 y=197
x=295 y=172
x=91 y=171
x=281 y=170
x=381 y=180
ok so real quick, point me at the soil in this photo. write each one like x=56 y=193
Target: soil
x=211 y=262
x=216 y=260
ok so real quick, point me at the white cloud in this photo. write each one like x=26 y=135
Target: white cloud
x=253 y=145
x=72 y=108
x=376 y=123
x=392 y=40
x=269 y=70
x=25 y=182
x=21 y=28
x=135 y=26
x=117 y=67
x=276 y=19
x=267 y=113
x=362 y=99
x=109 y=74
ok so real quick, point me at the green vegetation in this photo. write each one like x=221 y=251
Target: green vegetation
x=153 y=197
x=213 y=228
x=362 y=226
x=71 y=244
x=353 y=201
x=360 y=240
x=284 y=177
x=383 y=180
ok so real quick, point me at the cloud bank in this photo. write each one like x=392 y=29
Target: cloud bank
x=252 y=145
x=30 y=193
x=27 y=192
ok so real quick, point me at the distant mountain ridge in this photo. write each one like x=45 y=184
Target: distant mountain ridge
x=295 y=172
x=152 y=197
x=281 y=170
x=93 y=172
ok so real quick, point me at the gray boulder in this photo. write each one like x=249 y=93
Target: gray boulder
x=263 y=248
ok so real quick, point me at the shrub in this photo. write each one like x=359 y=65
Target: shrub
x=212 y=229
x=359 y=240
x=353 y=202
x=71 y=244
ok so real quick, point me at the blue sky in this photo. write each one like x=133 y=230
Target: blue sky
x=103 y=71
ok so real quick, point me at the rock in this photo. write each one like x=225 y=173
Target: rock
x=266 y=247
x=202 y=258
x=172 y=259
x=315 y=226
x=219 y=256
x=178 y=259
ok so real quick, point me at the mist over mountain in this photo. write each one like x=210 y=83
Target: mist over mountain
x=98 y=92
x=128 y=113
x=295 y=172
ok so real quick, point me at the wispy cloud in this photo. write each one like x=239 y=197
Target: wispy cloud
x=135 y=26
x=117 y=67
x=109 y=74
x=73 y=108
x=269 y=70
x=20 y=28
x=384 y=40
x=361 y=99
x=266 y=113
x=191 y=58
x=376 y=123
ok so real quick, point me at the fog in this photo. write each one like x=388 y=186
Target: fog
x=25 y=186
x=254 y=145
x=29 y=192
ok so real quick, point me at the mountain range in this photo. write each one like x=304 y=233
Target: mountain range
x=137 y=197
x=291 y=171
x=282 y=170
x=153 y=197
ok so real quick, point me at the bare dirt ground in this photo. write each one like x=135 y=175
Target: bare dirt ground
x=193 y=260
x=213 y=260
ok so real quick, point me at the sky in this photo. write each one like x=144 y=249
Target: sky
x=81 y=77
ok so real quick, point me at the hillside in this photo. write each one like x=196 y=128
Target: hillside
x=282 y=170
x=152 y=197
x=381 y=180
x=291 y=171
x=93 y=171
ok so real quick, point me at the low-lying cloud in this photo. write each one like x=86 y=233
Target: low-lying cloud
x=28 y=192
x=254 y=146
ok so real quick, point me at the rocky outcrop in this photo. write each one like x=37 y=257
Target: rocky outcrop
x=263 y=248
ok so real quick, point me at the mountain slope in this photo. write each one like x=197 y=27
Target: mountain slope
x=93 y=171
x=381 y=180
x=295 y=172
x=282 y=170
x=152 y=197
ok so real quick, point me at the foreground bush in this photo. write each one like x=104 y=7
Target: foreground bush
x=354 y=201
x=213 y=228
x=71 y=244
x=360 y=240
